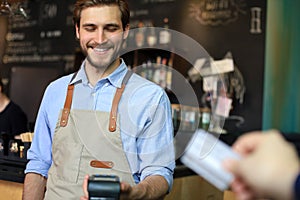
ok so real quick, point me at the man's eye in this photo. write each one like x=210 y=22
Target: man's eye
x=112 y=29
x=89 y=29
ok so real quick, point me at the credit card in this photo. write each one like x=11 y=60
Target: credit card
x=204 y=154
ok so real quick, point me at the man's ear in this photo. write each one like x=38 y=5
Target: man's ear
x=77 y=31
x=126 y=31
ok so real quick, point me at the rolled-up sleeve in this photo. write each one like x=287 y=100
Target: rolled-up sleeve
x=39 y=155
x=155 y=144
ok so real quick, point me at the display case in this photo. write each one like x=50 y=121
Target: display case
x=13 y=153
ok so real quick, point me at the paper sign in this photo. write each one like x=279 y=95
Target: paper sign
x=210 y=83
x=194 y=72
x=218 y=67
x=223 y=106
x=222 y=66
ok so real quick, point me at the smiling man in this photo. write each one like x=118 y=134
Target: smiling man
x=103 y=119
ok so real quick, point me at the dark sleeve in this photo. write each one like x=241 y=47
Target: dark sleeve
x=297 y=188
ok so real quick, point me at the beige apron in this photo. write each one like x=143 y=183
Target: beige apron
x=86 y=142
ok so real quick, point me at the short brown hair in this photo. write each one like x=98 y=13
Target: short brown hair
x=2 y=88
x=82 y=4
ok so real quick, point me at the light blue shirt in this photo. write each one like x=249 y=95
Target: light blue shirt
x=145 y=121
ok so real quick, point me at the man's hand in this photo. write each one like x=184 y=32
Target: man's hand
x=153 y=187
x=84 y=187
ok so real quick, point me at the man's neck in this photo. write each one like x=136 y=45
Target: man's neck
x=95 y=74
x=4 y=101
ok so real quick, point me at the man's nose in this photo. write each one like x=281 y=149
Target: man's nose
x=101 y=37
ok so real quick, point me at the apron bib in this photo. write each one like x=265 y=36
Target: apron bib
x=86 y=142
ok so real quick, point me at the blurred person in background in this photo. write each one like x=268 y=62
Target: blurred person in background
x=13 y=120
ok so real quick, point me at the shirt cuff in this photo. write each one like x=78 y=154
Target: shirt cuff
x=37 y=167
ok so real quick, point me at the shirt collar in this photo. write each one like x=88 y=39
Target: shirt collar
x=115 y=78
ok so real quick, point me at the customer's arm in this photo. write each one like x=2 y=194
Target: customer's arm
x=34 y=187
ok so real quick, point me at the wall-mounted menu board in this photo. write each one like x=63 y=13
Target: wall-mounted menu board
x=42 y=46
x=46 y=35
x=220 y=26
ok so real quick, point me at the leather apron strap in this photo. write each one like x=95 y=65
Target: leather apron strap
x=67 y=106
x=115 y=103
x=114 y=108
x=68 y=103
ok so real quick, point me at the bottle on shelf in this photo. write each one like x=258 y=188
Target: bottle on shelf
x=165 y=35
x=140 y=35
x=169 y=74
x=156 y=75
x=149 y=75
x=205 y=114
x=176 y=116
x=144 y=70
x=163 y=73
x=151 y=35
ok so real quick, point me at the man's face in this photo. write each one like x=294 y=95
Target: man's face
x=101 y=35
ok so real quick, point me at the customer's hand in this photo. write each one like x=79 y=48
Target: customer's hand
x=268 y=168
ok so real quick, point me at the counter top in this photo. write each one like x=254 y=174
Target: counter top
x=12 y=168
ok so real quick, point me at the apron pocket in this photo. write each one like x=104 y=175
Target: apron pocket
x=66 y=161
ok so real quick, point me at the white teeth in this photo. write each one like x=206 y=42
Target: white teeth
x=100 y=50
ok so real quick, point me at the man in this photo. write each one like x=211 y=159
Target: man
x=112 y=122
x=269 y=167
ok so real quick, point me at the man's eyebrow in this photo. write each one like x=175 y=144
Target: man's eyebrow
x=106 y=25
x=88 y=24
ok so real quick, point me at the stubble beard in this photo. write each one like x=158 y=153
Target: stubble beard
x=102 y=63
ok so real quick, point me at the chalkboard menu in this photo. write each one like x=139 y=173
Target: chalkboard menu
x=46 y=35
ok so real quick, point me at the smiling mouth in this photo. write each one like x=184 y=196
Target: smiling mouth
x=101 y=50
